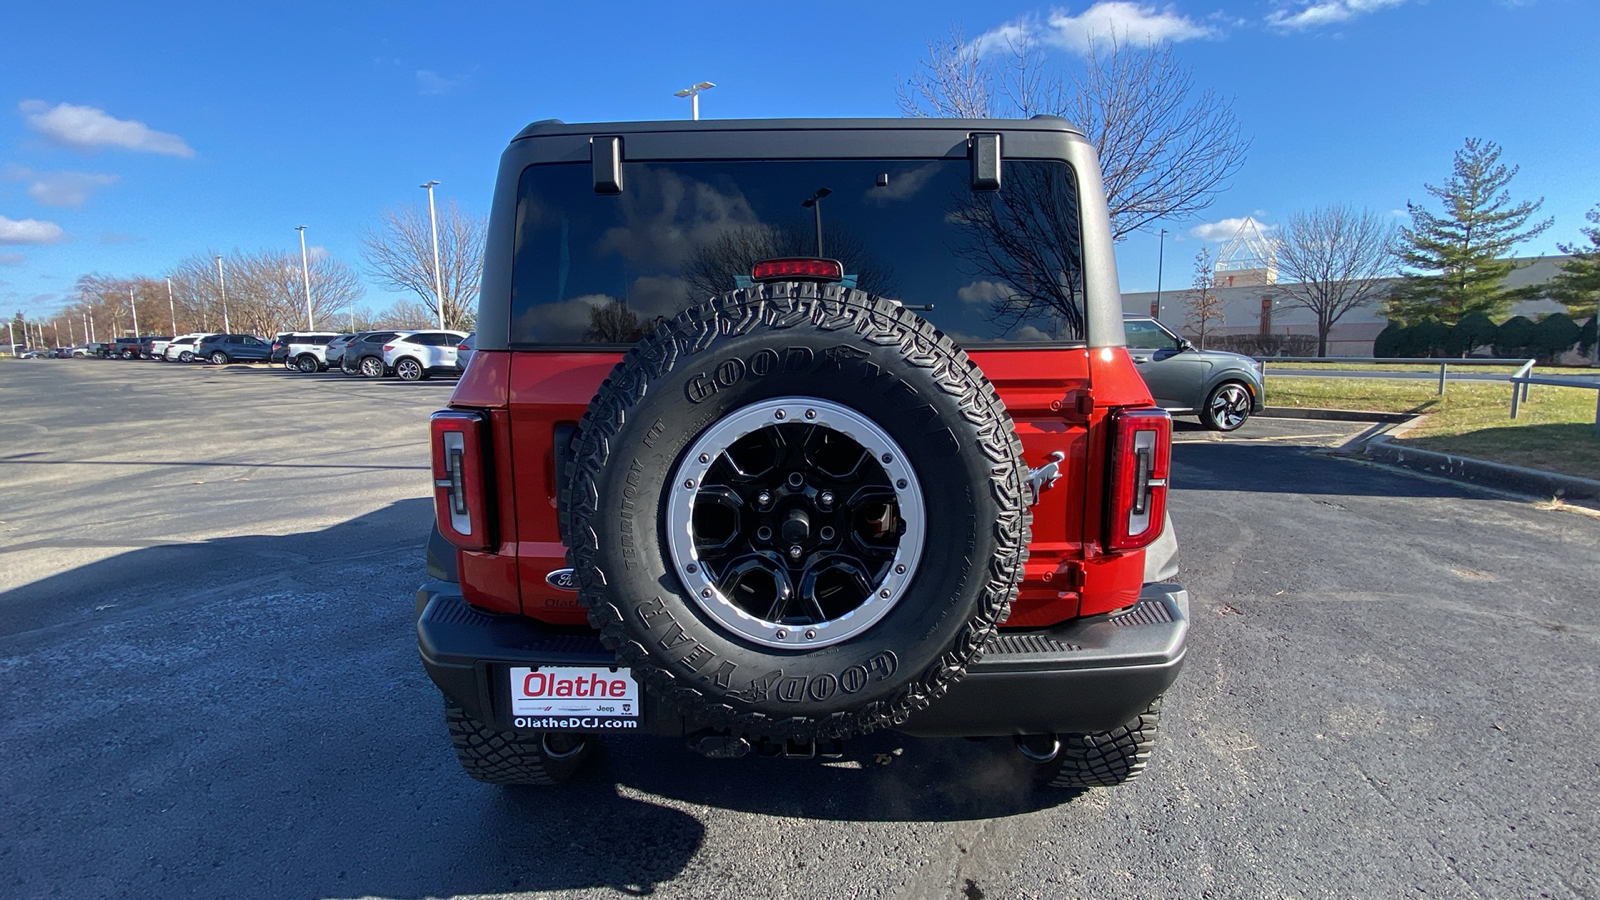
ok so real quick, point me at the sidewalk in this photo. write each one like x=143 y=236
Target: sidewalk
x=1377 y=444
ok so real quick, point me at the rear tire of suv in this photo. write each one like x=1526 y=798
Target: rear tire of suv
x=307 y=364
x=370 y=367
x=219 y=358
x=185 y=357
x=1106 y=759
x=1227 y=408
x=409 y=369
x=500 y=757
x=850 y=581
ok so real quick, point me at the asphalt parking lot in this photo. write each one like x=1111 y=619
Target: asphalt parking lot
x=212 y=688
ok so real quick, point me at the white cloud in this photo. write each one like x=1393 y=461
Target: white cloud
x=60 y=188
x=1325 y=12
x=986 y=292
x=432 y=84
x=29 y=231
x=88 y=128
x=1121 y=20
x=1226 y=229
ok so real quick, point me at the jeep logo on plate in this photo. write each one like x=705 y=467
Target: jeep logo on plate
x=562 y=579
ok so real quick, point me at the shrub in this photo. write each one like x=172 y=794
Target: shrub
x=1474 y=330
x=1514 y=338
x=1554 y=335
x=1259 y=345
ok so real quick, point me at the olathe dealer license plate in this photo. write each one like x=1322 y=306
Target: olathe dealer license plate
x=573 y=698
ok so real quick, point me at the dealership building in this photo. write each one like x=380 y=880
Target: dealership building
x=1253 y=301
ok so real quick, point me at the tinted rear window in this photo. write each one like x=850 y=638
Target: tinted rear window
x=1000 y=266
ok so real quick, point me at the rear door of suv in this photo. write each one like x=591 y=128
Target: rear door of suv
x=982 y=233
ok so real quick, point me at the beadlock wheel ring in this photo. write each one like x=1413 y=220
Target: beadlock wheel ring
x=766 y=533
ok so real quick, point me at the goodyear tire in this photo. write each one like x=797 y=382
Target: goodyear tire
x=796 y=511
x=1106 y=759
x=498 y=757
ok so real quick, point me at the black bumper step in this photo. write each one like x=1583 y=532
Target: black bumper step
x=1088 y=675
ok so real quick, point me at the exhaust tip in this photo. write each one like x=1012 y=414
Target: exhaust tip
x=1041 y=748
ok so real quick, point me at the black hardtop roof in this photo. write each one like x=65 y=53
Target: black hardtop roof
x=552 y=127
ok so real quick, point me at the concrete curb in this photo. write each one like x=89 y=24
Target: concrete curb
x=1337 y=415
x=1476 y=471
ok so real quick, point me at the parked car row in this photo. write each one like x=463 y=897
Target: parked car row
x=411 y=355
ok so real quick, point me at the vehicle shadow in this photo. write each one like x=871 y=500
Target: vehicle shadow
x=1279 y=469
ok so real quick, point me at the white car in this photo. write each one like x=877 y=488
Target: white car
x=307 y=352
x=419 y=354
x=181 y=348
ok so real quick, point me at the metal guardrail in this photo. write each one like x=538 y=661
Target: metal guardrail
x=1525 y=377
x=1443 y=364
x=1519 y=380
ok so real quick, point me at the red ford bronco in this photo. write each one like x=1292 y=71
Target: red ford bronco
x=780 y=432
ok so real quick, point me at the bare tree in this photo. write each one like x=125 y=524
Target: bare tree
x=1202 y=301
x=1335 y=259
x=400 y=256
x=406 y=314
x=1165 y=150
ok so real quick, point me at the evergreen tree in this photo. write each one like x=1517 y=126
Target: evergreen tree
x=1577 y=285
x=1460 y=258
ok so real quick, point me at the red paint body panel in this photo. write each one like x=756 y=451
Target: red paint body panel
x=1058 y=398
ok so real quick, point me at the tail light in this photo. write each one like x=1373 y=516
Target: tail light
x=802 y=268
x=1141 y=458
x=460 y=494
x=387 y=347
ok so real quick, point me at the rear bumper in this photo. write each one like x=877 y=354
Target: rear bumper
x=1089 y=675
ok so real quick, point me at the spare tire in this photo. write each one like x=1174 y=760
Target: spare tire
x=796 y=511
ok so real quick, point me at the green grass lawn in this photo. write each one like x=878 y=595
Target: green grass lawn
x=1553 y=431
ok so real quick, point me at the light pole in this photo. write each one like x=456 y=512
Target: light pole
x=222 y=284
x=172 y=307
x=1161 y=257
x=815 y=205
x=438 y=280
x=305 y=269
x=135 y=307
x=693 y=93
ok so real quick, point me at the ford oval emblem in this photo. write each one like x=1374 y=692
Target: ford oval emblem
x=563 y=580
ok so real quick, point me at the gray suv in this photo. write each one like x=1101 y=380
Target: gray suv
x=1223 y=389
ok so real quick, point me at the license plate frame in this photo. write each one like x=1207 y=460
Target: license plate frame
x=573 y=698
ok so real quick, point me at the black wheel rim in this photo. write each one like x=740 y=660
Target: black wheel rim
x=796 y=522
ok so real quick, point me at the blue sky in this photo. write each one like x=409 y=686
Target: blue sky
x=134 y=135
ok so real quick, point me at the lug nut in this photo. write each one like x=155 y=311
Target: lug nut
x=826 y=499
x=764 y=498
x=795 y=551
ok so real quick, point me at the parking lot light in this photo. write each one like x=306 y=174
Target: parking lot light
x=222 y=284
x=693 y=93
x=438 y=281
x=305 y=270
